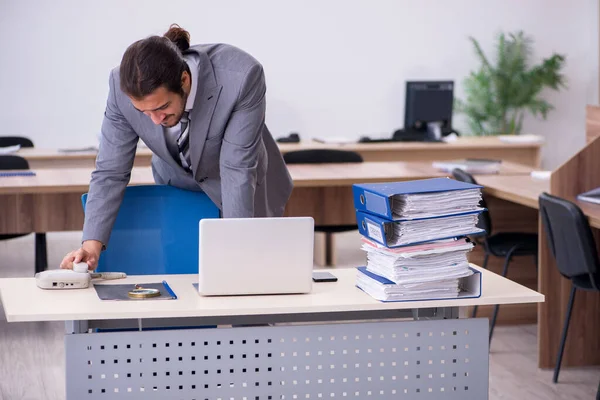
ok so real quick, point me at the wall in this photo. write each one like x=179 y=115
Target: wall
x=333 y=68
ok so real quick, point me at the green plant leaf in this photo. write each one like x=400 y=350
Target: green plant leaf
x=498 y=93
x=480 y=53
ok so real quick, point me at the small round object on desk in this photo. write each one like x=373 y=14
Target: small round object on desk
x=143 y=293
x=80 y=267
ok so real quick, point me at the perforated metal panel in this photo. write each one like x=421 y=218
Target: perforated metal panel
x=436 y=359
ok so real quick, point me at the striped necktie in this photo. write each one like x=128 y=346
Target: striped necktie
x=183 y=142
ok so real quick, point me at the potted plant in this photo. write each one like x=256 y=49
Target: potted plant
x=498 y=94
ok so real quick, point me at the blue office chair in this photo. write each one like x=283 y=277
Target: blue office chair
x=156 y=231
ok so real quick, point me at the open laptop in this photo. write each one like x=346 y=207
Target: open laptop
x=240 y=256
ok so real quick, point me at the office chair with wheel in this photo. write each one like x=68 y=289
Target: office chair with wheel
x=325 y=156
x=13 y=162
x=501 y=244
x=572 y=244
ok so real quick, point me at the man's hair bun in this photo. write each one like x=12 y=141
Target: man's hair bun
x=179 y=36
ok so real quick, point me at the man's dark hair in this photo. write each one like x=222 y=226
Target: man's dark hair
x=154 y=62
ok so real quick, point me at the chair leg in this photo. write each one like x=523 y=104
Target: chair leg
x=329 y=249
x=563 y=338
x=41 y=255
x=484 y=266
x=497 y=307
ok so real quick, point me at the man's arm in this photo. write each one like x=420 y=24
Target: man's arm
x=113 y=170
x=241 y=147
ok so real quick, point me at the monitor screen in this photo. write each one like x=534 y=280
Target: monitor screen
x=428 y=101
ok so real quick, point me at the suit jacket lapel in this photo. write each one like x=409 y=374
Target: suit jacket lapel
x=207 y=95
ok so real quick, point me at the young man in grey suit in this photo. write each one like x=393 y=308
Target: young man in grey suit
x=201 y=110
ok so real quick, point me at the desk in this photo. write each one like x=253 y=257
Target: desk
x=467 y=147
x=592 y=211
x=310 y=349
x=464 y=147
x=525 y=191
x=51 y=200
x=582 y=345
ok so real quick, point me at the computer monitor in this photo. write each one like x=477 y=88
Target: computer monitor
x=428 y=102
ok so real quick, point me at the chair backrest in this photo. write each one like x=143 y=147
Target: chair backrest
x=13 y=162
x=156 y=231
x=485 y=221
x=321 y=156
x=6 y=141
x=570 y=239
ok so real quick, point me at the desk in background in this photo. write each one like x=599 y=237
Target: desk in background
x=518 y=189
x=313 y=348
x=582 y=346
x=51 y=200
x=464 y=147
x=524 y=190
x=468 y=147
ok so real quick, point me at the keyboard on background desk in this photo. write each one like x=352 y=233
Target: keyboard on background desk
x=402 y=135
x=366 y=139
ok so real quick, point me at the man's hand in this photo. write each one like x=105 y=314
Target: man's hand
x=88 y=253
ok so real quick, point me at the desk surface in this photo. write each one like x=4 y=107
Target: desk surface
x=524 y=190
x=592 y=211
x=460 y=143
x=60 y=180
x=24 y=301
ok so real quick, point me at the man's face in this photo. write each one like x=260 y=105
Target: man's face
x=162 y=106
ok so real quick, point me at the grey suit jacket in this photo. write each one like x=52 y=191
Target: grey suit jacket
x=235 y=160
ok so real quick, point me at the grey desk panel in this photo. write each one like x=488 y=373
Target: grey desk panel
x=425 y=359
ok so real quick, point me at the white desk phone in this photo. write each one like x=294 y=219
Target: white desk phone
x=77 y=278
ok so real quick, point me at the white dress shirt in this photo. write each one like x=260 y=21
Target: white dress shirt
x=173 y=133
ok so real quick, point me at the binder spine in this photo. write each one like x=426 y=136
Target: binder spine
x=370 y=202
x=371 y=228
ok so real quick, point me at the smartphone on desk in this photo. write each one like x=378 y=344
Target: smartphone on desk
x=323 y=276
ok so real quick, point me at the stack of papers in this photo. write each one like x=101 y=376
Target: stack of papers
x=399 y=263
x=10 y=149
x=79 y=150
x=521 y=138
x=383 y=289
x=593 y=196
x=414 y=237
x=428 y=205
x=472 y=166
x=432 y=270
x=543 y=175
x=419 y=263
x=335 y=140
x=400 y=233
x=416 y=199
